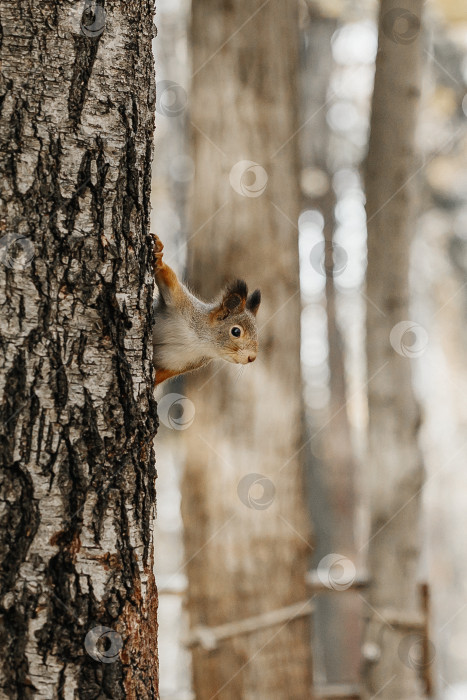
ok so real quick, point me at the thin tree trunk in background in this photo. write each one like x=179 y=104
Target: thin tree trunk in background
x=395 y=468
x=332 y=474
x=247 y=549
x=77 y=410
x=440 y=263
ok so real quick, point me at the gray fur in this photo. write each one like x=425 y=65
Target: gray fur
x=188 y=336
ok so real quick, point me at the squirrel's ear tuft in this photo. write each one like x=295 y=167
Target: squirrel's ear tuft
x=253 y=302
x=233 y=300
x=235 y=297
x=237 y=288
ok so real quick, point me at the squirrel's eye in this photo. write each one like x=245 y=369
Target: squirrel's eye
x=236 y=331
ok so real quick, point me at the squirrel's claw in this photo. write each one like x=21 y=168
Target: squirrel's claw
x=157 y=252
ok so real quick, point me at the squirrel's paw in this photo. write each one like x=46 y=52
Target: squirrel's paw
x=157 y=252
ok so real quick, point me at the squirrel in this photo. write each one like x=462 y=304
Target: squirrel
x=188 y=333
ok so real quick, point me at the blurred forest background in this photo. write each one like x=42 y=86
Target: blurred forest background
x=232 y=541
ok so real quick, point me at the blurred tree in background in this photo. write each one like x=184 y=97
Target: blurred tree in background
x=395 y=471
x=246 y=533
x=347 y=497
x=331 y=462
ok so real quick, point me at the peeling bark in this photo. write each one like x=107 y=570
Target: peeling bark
x=77 y=414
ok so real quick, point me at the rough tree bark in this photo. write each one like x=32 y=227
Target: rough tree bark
x=395 y=468
x=77 y=415
x=247 y=535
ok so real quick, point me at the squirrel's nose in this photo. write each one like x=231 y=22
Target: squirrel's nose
x=251 y=358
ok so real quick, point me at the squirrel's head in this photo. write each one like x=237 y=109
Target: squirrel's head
x=233 y=321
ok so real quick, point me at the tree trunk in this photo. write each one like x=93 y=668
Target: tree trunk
x=247 y=534
x=395 y=464
x=77 y=409
x=332 y=491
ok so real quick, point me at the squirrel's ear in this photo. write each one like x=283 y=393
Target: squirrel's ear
x=233 y=301
x=253 y=302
